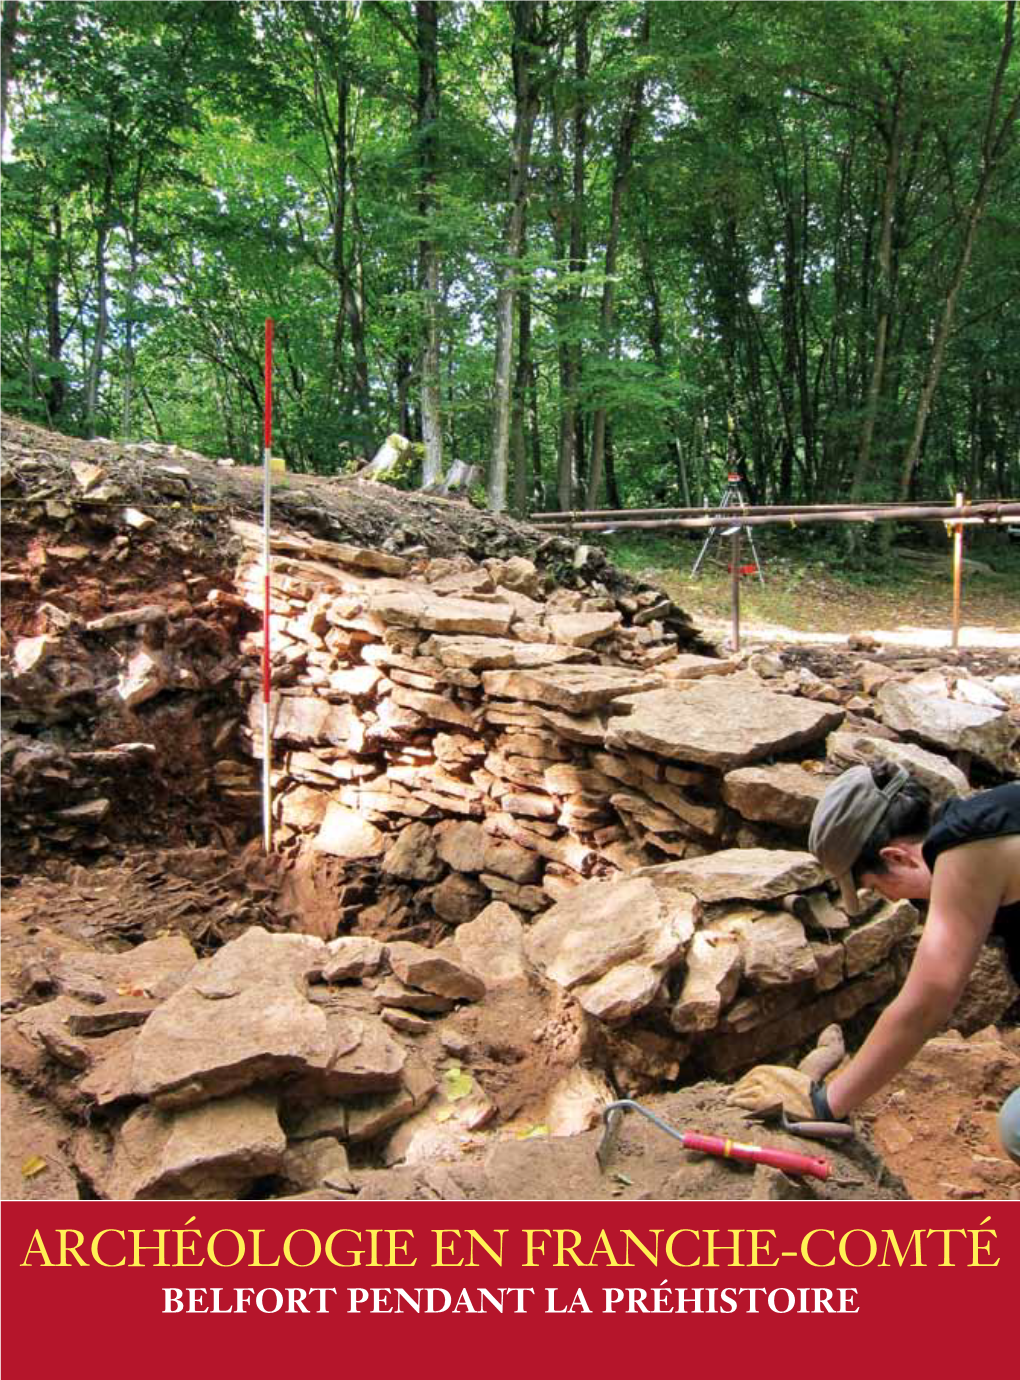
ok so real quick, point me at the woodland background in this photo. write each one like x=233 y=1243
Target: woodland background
x=600 y=250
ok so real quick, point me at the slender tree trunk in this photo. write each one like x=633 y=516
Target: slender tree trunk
x=356 y=312
x=565 y=462
x=54 y=393
x=656 y=337
x=404 y=374
x=8 y=37
x=340 y=230
x=128 y=369
x=621 y=177
x=147 y=399
x=886 y=292
x=522 y=382
x=525 y=37
x=103 y=226
x=427 y=12
x=993 y=146
x=578 y=238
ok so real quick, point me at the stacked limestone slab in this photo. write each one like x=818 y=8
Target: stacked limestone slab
x=449 y=735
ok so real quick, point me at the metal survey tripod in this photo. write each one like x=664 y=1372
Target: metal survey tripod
x=733 y=497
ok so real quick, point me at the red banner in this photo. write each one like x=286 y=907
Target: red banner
x=450 y=1288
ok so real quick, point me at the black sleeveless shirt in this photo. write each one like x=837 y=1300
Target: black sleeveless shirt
x=987 y=815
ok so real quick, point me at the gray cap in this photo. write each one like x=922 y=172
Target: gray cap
x=845 y=818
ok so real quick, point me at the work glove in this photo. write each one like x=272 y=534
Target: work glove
x=771 y=1088
x=800 y=1092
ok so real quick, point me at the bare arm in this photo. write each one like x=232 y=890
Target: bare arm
x=967 y=889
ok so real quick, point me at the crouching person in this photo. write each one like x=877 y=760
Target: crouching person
x=875 y=828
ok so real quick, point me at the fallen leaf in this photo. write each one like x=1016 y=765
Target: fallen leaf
x=457 y=1084
x=532 y=1131
x=623 y=1179
x=33 y=1166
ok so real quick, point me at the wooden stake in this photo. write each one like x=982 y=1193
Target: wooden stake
x=735 y=585
x=957 y=573
x=267 y=500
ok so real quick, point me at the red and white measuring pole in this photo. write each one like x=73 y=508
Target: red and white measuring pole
x=267 y=682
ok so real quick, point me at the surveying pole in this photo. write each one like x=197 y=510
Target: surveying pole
x=267 y=500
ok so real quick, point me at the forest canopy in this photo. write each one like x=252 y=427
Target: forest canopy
x=601 y=251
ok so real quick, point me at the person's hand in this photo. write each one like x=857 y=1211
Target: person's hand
x=769 y=1088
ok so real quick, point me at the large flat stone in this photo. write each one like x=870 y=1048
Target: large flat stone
x=719 y=723
x=244 y=1018
x=989 y=734
x=847 y=748
x=740 y=874
x=496 y=653
x=150 y=972
x=576 y=689
x=582 y=629
x=306 y=719
x=433 y=613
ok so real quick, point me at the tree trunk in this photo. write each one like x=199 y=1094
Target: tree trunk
x=128 y=370
x=103 y=225
x=339 y=229
x=621 y=176
x=886 y=292
x=8 y=36
x=525 y=36
x=565 y=459
x=427 y=12
x=993 y=146
x=525 y=369
x=54 y=393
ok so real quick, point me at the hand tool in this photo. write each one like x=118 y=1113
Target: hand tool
x=787 y=1160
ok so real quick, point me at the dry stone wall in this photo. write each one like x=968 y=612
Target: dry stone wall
x=448 y=736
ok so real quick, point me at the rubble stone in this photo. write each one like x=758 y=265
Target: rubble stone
x=605 y=925
x=214 y=1151
x=345 y=833
x=783 y=794
x=351 y=957
x=429 y=970
x=468 y=848
x=868 y=944
x=713 y=969
x=412 y=855
x=492 y=945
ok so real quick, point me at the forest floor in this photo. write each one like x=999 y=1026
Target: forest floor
x=809 y=594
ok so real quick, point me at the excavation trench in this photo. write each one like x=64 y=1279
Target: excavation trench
x=533 y=850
